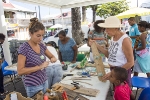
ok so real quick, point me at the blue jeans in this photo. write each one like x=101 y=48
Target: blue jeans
x=54 y=74
x=32 y=90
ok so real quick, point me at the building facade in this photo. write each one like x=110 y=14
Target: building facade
x=17 y=19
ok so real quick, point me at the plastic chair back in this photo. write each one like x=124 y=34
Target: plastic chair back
x=145 y=94
x=140 y=82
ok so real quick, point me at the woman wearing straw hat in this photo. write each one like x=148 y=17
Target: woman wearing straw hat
x=120 y=52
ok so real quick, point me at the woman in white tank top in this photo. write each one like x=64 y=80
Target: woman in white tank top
x=119 y=53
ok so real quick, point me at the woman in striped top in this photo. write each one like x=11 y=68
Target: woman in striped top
x=32 y=60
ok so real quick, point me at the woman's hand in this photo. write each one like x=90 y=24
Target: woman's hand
x=53 y=59
x=106 y=77
x=91 y=42
x=45 y=64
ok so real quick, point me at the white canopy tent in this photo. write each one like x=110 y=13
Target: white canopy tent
x=60 y=4
x=56 y=26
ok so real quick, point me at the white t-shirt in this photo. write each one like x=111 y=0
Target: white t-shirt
x=54 y=52
x=116 y=55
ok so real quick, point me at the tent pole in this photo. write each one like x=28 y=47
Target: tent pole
x=3 y=30
x=62 y=19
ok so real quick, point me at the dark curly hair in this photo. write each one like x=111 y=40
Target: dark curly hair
x=2 y=36
x=62 y=32
x=144 y=24
x=120 y=74
x=35 y=25
x=96 y=27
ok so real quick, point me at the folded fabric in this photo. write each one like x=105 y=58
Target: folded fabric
x=144 y=63
x=142 y=53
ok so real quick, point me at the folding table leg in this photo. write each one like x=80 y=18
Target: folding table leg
x=111 y=90
x=136 y=93
x=13 y=82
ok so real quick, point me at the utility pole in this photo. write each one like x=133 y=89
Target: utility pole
x=137 y=3
x=36 y=11
x=39 y=13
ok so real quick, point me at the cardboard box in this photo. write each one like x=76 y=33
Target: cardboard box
x=16 y=96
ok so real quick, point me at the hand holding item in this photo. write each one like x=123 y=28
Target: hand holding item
x=53 y=59
x=91 y=42
x=45 y=64
x=106 y=77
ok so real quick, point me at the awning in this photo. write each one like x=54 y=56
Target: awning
x=66 y=3
x=134 y=12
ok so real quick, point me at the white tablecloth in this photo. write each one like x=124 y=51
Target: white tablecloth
x=96 y=84
x=84 y=48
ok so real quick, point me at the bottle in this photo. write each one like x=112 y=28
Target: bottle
x=45 y=97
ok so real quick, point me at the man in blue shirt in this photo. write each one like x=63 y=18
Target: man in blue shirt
x=134 y=31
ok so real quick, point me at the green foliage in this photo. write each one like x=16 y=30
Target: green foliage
x=112 y=8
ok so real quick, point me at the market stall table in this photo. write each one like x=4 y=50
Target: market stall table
x=93 y=83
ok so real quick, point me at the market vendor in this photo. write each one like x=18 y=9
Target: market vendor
x=67 y=48
x=120 y=52
x=32 y=61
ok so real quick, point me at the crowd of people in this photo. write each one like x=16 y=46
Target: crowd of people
x=125 y=53
x=39 y=64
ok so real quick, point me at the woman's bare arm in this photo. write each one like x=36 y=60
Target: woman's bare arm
x=143 y=41
x=75 y=49
x=22 y=70
x=59 y=55
x=50 y=56
x=128 y=51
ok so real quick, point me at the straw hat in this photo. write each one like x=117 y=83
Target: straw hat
x=111 y=22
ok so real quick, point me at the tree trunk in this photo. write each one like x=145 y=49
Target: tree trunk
x=94 y=15
x=76 y=25
x=83 y=13
x=94 y=8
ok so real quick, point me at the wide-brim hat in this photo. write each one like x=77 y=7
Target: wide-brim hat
x=111 y=22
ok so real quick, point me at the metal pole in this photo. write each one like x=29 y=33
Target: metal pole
x=137 y=3
x=62 y=19
x=39 y=13
x=4 y=31
x=36 y=11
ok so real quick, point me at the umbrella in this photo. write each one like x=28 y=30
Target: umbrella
x=56 y=26
x=134 y=12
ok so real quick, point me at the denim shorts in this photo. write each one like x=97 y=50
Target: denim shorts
x=54 y=74
x=32 y=90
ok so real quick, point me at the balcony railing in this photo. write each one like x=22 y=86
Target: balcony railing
x=25 y=22
x=20 y=22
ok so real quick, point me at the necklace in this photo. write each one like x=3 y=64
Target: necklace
x=42 y=57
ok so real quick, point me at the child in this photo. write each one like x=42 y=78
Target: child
x=122 y=90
